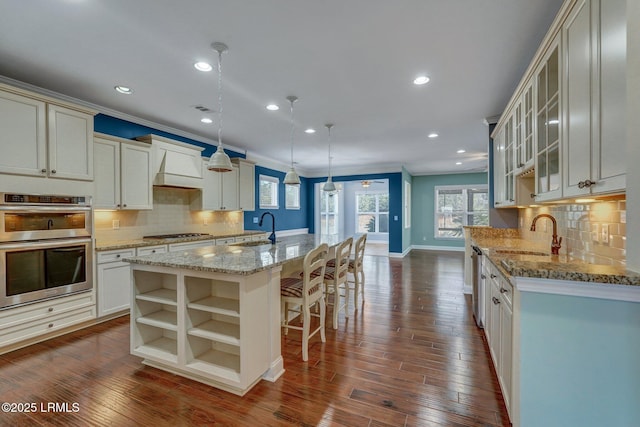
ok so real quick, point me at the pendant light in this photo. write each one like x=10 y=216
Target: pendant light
x=329 y=186
x=292 y=178
x=220 y=161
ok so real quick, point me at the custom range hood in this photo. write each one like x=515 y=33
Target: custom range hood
x=175 y=164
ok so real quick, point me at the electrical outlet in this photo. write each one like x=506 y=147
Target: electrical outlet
x=115 y=224
x=205 y=221
x=604 y=234
x=255 y=219
x=595 y=232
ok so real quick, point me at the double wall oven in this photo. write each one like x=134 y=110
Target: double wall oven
x=45 y=247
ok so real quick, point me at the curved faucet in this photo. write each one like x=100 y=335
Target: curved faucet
x=272 y=237
x=556 y=243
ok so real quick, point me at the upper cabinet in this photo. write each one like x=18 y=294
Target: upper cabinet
x=568 y=114
x=219 y=191
x=594 y=48
x=43 y=137
x=123 y=178
x=246 y=183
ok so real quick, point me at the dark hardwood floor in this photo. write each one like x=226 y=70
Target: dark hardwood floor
x=411 y=356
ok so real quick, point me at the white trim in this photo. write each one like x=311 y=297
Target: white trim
x=400 y=254
x=292 y=232
x=354 y=170
x=273 y=180
x=467 y=290
x=438 y=248
x=574 y=288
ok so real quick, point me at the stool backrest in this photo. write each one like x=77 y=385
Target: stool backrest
x=359 y=251
x=313 y=273
x=343 y=252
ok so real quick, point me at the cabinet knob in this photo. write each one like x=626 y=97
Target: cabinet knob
x=503 y=290
x=587 y=183
x=493 y=276
x=50 y=308
x=482 y=276
x=117 y=255
x=53 y=171
x=43 y=170
x=532 y=195
x=495 y=300
x=118 y=205
x=51 y=325
x=153 y=251
x=124 y=206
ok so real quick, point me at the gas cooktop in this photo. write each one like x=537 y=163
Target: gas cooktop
x=175 y=236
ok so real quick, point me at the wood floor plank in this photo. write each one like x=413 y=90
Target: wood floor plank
x=410 y=355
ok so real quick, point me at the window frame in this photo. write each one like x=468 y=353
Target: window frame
x=275 y=192
x=465 y=213
x=377 y=212
x=292 y=204
x=407 y=204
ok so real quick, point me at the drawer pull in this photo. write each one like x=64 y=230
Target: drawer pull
x=153 y=251
x=51 y=325
x=50 y=309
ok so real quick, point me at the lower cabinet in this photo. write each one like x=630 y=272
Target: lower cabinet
x=114 y=281
x=499 y=329
x=27 y=323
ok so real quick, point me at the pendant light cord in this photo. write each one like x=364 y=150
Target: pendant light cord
x=220 y=98
x=292 y=129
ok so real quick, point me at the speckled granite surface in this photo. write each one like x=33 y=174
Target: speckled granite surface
x=521 y=258
x=238 y=259
x=137 y=243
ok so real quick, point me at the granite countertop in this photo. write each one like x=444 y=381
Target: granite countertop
x=517 y=257
x=108 y=245
x=239 y=259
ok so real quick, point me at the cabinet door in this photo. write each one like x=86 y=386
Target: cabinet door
x=498 y=169
x=114 y=287
x=137 y=181
x=246 y=186
x=70 y=143
x=107 y=174
x=494 y=340
x=22 y=136
x=578 y=134
x=506 y=350
x=229 y=181
x=528 y=128
x=609 y=162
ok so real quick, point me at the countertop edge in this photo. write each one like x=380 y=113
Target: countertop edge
x=140 y=243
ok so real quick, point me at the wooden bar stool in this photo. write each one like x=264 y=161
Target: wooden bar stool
x=305 y=292
x=335 y=279
x=356 y=269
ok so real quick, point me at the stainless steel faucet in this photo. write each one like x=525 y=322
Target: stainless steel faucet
x=556 y=243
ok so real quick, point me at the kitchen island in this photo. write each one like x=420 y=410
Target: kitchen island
x=213 y=314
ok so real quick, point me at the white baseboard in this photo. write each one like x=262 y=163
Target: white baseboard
x=400 y=254
x=438 y=248
x=467 y=289
x=292 y=232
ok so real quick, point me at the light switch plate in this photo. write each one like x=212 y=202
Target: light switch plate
x=595 y=232
x=604 y=234
x=115 y=224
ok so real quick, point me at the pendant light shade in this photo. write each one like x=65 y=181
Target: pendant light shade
x=329 y=186
x=292 y=178
x=220 y=161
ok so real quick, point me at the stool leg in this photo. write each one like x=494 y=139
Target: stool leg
x=306 y=320
x=286 y=318
x=323 y=315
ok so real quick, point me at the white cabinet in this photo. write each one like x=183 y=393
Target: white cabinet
x=246 y=184
x=228 y=240
x=123 y=178
x=499 y=191
x=219 y=191
x=594 y=142
x=183 y=246
x=151 y=250
x=499 y=327
x=34 y=322
x=114 y=281
x=44 y=138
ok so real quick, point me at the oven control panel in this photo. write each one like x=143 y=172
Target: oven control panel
x=40 y=199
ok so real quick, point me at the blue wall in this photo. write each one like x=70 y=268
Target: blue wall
x=286 y=219
x=423 y=206
x=395 y=203
x=129 y=130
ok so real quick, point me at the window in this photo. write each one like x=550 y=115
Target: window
x=268 y=192
x=407 y=204
x=372 y=212
x=291 y=196
x=457 y=206
x=329 y=209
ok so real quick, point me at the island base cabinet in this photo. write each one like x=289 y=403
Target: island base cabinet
x=210 y=327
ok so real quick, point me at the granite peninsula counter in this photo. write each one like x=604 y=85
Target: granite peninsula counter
x=212 y=314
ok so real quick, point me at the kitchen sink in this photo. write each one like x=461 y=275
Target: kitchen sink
x=254 y=243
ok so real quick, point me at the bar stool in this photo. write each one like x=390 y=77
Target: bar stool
x=305 y=292
x=356 y=269
x=335 y=279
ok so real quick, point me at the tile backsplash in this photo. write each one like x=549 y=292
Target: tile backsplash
x=171 y=214
x=594 y=232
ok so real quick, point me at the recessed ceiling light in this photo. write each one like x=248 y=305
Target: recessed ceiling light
x=420 y=80
x=272 y=107
x=461 y=151
x=458 y=163
x=310 y=130
x=206 y=120
x=203 y=66
x=124 y=90
x=433 y=135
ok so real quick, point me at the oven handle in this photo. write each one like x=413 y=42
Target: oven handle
x=43 y=244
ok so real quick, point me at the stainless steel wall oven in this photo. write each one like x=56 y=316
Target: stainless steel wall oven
x=45 y=247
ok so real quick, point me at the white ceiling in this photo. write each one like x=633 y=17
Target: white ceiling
x=350 y=62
